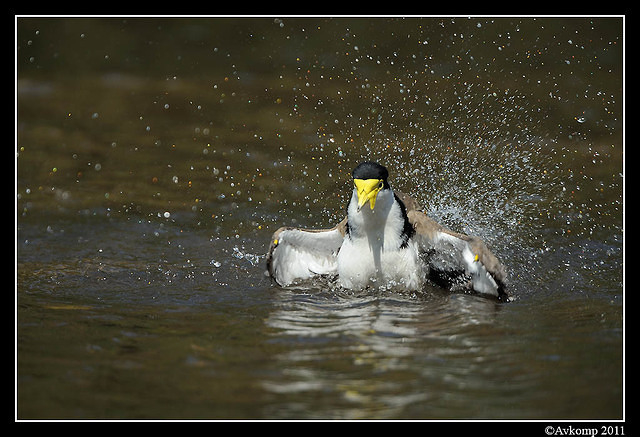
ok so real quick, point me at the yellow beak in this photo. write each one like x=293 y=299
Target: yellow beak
x=367 y=190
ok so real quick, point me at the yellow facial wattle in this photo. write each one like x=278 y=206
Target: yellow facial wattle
x=367 y=191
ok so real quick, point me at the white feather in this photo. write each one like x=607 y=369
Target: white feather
x=372 y=253
x=456 y=253
x=482 y=281
x=302 y=254
x=375 y=253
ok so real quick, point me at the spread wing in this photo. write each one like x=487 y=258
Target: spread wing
x=298 y=254
x=455 y=259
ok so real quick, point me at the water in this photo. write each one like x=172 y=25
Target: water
x=155 y=157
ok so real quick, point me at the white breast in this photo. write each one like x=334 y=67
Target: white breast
x=372 y=254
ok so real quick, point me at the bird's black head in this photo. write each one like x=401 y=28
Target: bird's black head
x=371 y=170
x=368 y=179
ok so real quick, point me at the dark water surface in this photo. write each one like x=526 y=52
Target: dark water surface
x=155 y=157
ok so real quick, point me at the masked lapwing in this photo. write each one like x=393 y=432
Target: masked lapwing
x=386 y=240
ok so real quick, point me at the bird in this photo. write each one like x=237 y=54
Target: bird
x=385 y=240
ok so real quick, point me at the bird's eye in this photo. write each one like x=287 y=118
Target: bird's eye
x=380 y=185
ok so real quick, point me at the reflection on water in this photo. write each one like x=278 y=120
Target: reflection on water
x=396 y=356
x=239 y=348
x=156 y=156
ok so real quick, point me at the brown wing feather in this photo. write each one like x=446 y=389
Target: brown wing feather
x=432 y=238
x=429 y=232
